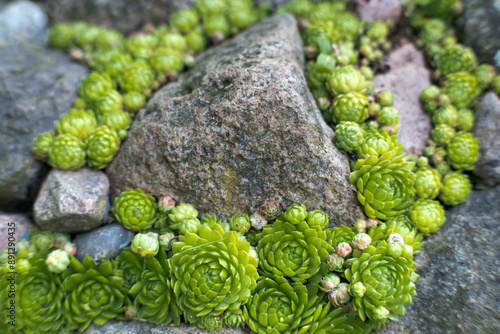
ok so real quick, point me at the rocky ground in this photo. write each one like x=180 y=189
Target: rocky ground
x=237 y=85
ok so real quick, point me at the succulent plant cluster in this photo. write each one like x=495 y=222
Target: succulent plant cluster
x=276 y=270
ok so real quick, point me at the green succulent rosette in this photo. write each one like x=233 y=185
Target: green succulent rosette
x=465 y=120
x=387 y=280
x=295 y=251
x=462 y=89
x=317 y=219
x=38 y=298
x=134 y=101
x=212 y=271
x=399 y=224
x=95 y=85
x=117 y=120
x=484 y=73
x=389 y=118
x=85 y=34
x=165 y=60
x=348 y=136
x=455 y=58
x=184 y=20
x=117 y=64
x=77 y=122
x=180 y=212
x=137 y=76
x=132 y=266
x=141 y=46
x=240 y=222
x=196 y=41
x=294 y=214
x=445 y=115
x=109 y=39
x=94 y=293
x=234 y=319
x=350 y=107
x=67 y=152
x=377 y=142
x=442 y=134
x=346 y=79
x=42 y=145
x=253 y=236
x=173 y=41
x=456 y=188
x=153 y=293
x=135 y=210
x=427 y=215
x=110 y=101
x=216 y=27
x=60 y=36
x=211 y=323
x=277 y=306
x=427 y=183
x=102 y=146
x=463 y=151
x=385 y=184
x=340 y=234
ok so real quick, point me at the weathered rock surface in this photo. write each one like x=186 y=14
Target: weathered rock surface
x=72 y=201
x=36 y=86
x=406 y=79
x=487 y=129
x=103 y=243
x=238 y=128
x=457 y=291
x=480 y=29
x=373 y=10
x=140 y=327
x=22 y=225
x=124 y=15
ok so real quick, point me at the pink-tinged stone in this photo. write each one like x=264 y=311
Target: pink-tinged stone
x=406 y=78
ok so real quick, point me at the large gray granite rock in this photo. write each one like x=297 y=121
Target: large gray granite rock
x=36 y=86
x=487 y=129
x=141 y=327
x=406 y=78
x=21 y=224
x=72 y=201
x=103 y=243
x=239 y=127
x=480 y=28
x=459 y=267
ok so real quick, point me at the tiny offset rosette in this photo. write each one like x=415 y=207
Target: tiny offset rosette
x=135 y=210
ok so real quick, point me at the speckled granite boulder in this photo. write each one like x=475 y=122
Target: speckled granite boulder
x=406 y=78
x=37 y=85
x=103 y=243
x=487 y=129
x=480 y=29
x=72 y=201
x=239 y=127
x=141 y=327
x=459 y=269
x=22 y=225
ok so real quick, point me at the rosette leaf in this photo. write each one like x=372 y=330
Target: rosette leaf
x=42 y=144
x=102 y=145
x=463 y=151
x=153 y=294
x=456 y=188
x=350 y=107
x=277 y=306
x=346 y=79
x=135 y=210
x=212 y=271
x=377 y=142
x=94 y=293
x=427 y=183
x=95 y=85
x=340 y=234
x=387 y=280
x=348 y=136
x=328 y=319
x=67 y=152
x=455 y=58
x=385 y=184
x=296 y=251
x=462 y=89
